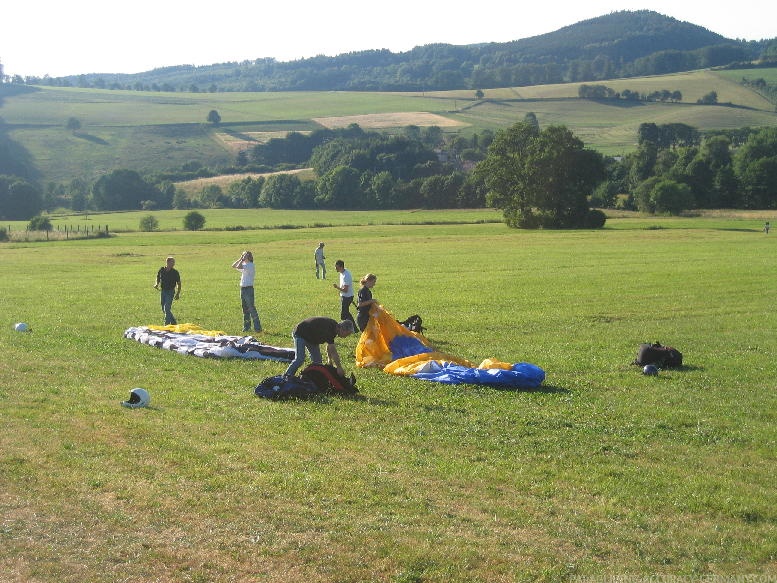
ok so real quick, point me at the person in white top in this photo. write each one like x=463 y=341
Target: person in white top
x=245 y=265
x=346 y=291
x=320 y=265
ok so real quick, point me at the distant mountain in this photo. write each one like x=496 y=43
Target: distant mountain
x=620 y=44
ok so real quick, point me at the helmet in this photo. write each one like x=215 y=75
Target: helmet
x=138 y=398
x=650 y=370
x=21 y=327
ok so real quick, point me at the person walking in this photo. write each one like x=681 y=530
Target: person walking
x=318 y=254
x=245 y=265
x=346 y=291
x=170 y=281
x=365 y=300
x=767 y=227
x=310 y=334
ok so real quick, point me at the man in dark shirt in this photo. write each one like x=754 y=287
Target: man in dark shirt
x=170 y=280
x=310 y=334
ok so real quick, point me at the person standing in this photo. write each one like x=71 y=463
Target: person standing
x=319 y=257
x=767 y=227
x=346 y=291
x=310 y=334
x=170 y=280
x=245 y=265
x=365 y=300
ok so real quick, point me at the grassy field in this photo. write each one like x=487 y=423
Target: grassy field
x=602 y=472
x=162 y=131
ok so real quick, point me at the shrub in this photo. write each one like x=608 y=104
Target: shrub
x=39 y=223
x=193 y=221
x=595 y=219
x=3 y=234
x=149 y=223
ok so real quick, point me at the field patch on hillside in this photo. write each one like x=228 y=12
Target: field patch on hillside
x=224 y=180
x=374 y=121
x=237 y=141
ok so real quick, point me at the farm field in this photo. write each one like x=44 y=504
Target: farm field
x=602 y=472
x=163 y=131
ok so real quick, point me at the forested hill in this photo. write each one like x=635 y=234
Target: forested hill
x=620 y=44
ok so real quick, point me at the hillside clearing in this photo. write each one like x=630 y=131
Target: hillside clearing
x=388 y=120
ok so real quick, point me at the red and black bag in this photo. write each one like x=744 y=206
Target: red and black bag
x=325 y=377
x=658 y=355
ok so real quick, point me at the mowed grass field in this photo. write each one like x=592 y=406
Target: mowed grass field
x=162 y=131
x=602 y=472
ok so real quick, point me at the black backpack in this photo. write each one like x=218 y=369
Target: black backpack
x=281 y=387
x=658 y=355
x=326 y=378
x=414 y=324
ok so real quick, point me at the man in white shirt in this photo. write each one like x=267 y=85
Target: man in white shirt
x=346 y=291
x=245 y=265
x=319 y=256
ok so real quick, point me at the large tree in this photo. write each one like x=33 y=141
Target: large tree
x=19 y=199
x=122 y=190
x=756 y=165
x=540 y=178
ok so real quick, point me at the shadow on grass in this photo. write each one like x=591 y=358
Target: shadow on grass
x=548 y=389
x=91 y=138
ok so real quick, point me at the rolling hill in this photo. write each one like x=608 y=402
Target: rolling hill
x=619 y=44
x=154 y=131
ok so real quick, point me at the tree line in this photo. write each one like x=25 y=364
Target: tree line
x=538 y=177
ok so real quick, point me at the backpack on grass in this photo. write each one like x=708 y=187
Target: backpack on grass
x=658 y=355
x=279 y=387
x=326 y=378
x=414 y=324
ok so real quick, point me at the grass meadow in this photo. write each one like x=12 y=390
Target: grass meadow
x=601 y=472
x=156 y=131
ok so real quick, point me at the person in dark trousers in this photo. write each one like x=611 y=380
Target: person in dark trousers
x=365 y=301
x=310 y=334
x=170 y=281
x=245 y=265
x=346 y=291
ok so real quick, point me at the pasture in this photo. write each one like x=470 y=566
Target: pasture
x=162 y=131
x=602 y=472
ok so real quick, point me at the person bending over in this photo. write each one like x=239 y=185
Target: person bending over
x=310 y=334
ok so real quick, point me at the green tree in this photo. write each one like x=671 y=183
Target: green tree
x=531 y=119
x=39 y=223
x=122 y=190
x=181 y=200
x=340 y=188
x=193 y=221
x=540 y=178
x=211 y=196
x=710 y=98
x=214 y=117
x=19 y=199
x=755 y=164
x=73 y=124
x=669 y=196
x=279 y=191
x=149 y=223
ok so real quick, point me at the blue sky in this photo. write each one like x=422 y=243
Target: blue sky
x=86 y=36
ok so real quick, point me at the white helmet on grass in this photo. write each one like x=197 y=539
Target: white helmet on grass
x=138 y=398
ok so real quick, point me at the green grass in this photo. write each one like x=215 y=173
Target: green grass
x=162 y=131
x=603 y=472
x=236 y=219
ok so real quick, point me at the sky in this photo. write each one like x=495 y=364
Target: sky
x=58 y=38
